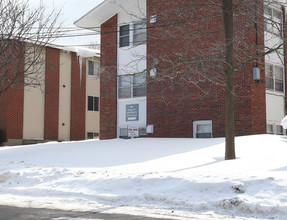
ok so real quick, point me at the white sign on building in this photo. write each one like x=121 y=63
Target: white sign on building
x=133 y=131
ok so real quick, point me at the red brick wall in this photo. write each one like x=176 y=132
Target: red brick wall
x=78 y=99
x=108 y=99
x=52 y=94
x=174 y=103
x=3 y=114
x=15 y=111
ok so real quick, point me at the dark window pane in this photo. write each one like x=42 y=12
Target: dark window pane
x=90 y=135
x=203 y=135
x=139 y=91
x=124 y=30
x=90 y=103
x=124 y=93
x=124 y=41
x=96 y=103
x=91 y=68
x=279 y=86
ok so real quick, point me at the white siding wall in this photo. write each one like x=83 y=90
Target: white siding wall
x=275 y=101
x=132 y=60
x=34 y=108
x=65 y=96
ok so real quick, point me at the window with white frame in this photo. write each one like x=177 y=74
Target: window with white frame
x=124 y=39
x=131 y=86
x=202 y=129
x=273 y=20
x=93 y=103
x=274 y=77
x=93 y=68
x=139 y=34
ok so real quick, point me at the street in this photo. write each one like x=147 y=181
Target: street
x=16 y=213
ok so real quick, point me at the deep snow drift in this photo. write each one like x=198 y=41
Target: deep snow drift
x=174 y=178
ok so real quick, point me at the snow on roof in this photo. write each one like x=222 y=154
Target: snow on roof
x=83 y=52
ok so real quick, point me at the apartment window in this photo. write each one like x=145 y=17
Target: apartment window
x=131 y=86
x=274 y=76
x=93 y=103
x=125 y=86
x=139 y=36
x=124 y=36
x=94 y=68
x=273 y=21
x=202 y=129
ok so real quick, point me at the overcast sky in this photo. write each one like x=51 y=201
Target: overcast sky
x=72 y=10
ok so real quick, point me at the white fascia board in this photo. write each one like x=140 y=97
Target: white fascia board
x=101 y=13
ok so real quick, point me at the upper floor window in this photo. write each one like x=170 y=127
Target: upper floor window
x=131 y=86
x=94 y=68
x=124 y=36
x=274 y=76
x=139 y=34
x=273 y=21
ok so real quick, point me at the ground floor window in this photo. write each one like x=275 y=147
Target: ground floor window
x=202 y=129
x=92 y=135
x=274 y=129
x=123 y=132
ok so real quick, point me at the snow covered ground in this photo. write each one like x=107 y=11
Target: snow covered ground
x=174 y=178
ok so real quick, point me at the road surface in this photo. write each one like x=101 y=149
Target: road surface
x=16 y=213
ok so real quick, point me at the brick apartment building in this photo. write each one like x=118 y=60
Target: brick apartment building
x=66 y=107
x=143 y=85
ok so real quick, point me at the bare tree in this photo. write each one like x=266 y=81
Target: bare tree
x=24 y=33
x=212 y=47
x=202 y=48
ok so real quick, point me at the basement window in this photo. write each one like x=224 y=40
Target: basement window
x=202 y=129
x=279 y=130
x=269 y=128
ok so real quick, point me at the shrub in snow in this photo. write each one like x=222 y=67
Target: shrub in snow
x=238 y=188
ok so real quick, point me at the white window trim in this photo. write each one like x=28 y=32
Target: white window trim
x=273 y=91
x=131 y=87
x=201 y=122
x=272 y=16
x=94 y=64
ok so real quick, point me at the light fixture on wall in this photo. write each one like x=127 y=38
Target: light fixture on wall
x=256 y=73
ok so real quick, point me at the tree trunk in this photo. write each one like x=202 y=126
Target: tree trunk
x=229 y=77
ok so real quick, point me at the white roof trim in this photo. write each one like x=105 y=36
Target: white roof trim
x=101 y=13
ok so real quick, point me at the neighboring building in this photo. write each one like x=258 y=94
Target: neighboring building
x=136 y=50
x=66 y=107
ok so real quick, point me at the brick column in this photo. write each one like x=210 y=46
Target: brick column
x=52 y=94
x=108 y=99
x=78 y=99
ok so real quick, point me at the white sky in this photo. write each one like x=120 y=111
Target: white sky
x=72 y=10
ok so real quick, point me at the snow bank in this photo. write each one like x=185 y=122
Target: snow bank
x=174 y=178
x=284 y=122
